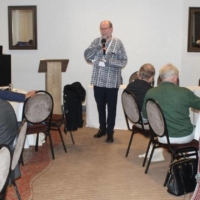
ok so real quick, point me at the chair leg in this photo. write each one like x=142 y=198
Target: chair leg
x=65 y=130
x=62 y=140
x=51 y=145
x=21 y=160
x=16 y=190
x=36 y=143
x=129 y=145
x=72 y=137
x=149 y=162
x=147 y=152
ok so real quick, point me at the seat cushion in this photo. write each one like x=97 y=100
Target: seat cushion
x=36 y=128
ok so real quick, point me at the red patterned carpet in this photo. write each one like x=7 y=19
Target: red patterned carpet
x=36 y=163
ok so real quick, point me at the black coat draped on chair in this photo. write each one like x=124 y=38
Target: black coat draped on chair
x=73 y=96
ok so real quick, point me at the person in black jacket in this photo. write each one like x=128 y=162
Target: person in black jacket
x=140 y=86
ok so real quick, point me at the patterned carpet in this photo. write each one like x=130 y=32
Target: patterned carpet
x=36 y=163
x=92 y=170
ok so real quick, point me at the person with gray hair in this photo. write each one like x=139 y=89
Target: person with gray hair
x=107 y=56
x=175 y=103
x=140 y=86
x=169 y=72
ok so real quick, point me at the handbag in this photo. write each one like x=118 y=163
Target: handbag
x=182 y=176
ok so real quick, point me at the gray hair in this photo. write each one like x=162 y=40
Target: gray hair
x=146 y=71
x=168 y=71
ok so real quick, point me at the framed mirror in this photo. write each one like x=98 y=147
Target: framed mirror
x=194 y=30
x=22 y=27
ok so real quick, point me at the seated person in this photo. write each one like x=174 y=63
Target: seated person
x=140 y=86
x=8 y=130
x=15 y=96
x=175 y=103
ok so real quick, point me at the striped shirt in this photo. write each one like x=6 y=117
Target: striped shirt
x=108 y=76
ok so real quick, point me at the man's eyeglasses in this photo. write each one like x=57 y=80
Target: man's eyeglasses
x=104 y=29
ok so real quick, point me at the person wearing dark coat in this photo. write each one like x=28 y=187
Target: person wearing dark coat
x=9 y=131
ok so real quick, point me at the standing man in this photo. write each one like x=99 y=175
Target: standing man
x=108 y=56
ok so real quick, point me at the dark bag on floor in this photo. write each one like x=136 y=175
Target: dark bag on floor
x=182 y=176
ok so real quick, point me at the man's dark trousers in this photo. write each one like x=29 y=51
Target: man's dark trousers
x=106 y=96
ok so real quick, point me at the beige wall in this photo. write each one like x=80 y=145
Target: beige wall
x=152 y=31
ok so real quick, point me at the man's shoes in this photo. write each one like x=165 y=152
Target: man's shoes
x=110 y=138
x=100 y=134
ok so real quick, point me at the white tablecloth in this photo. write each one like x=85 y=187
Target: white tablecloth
x=18 y=107
x=92 y=119
x=194 y=114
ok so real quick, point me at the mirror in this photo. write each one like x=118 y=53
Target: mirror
x=22 y=27
x=194 y=30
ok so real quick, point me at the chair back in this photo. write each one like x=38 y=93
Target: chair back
x=132 y=113
x=159 y=80
x=156 y=119
x=5 y=163
x=121 y=81
x=38 y=108
x=130 y=107
x=158 y=126
x=19 y=143
x=133 y=77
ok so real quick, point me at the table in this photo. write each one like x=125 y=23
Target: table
x=92 y=119
x=18 y=108
x=194 y=114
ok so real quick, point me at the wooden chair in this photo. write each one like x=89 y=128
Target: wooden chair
x=158 y=128
x=5 y=164
x=133 y=114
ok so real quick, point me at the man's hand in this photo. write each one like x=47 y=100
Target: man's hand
x=30 y=94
